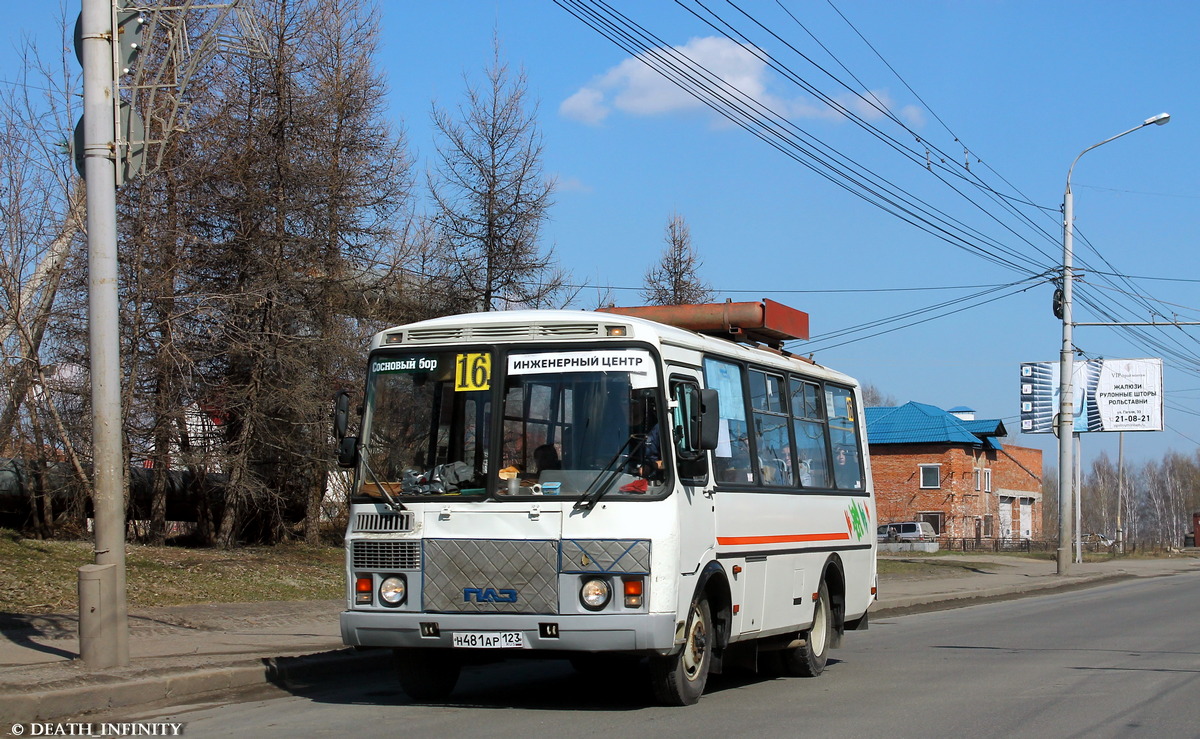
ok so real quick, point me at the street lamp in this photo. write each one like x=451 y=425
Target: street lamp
x=1066 y=364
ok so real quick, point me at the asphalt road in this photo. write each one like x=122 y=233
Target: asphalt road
x=1121 y=660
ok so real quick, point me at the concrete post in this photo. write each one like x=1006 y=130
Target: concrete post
x=98 y=615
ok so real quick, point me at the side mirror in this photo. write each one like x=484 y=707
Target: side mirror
x=341 y=414
x=710 y=419
x=347 y=455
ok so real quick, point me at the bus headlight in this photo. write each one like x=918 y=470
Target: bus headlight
x=393 y=590
x=595 y=594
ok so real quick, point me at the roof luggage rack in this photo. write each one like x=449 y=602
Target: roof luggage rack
x=765 y=322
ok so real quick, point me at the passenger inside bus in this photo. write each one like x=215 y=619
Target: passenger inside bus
x=845 y=468
x=545 y=457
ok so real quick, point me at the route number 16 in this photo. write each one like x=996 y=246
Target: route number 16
x=473 y=372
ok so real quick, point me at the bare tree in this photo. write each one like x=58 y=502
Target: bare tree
x=676 y=280
x=874 y=397
x=1098 y=497
x=490 y=196
x=255 y=256
x=1156 y=505
x=41 y=215
x=308 y=207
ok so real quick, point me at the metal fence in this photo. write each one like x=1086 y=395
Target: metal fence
x=1033 y=545
x=995 y=545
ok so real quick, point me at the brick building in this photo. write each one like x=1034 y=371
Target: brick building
x=949 y=469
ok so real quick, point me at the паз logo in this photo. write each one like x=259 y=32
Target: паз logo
x=489 y=595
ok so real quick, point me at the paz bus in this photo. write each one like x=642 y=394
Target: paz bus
x=661 y=483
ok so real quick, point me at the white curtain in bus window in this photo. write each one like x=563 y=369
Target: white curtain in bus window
x=843 y=432
x=770 y=429
x=812 y=445
x=732 y=454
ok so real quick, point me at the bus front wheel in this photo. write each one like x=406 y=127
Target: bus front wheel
x=809 y=660
x=679 y=679
x=427 y=675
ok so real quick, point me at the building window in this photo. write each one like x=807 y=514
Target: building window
x=931 y=476
x=936 y=519
x=987 y=480
x=978 y=477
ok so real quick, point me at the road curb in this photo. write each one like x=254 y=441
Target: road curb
x=100 y=692
x=948 y=601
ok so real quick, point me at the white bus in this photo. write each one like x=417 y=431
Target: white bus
x=606 y=488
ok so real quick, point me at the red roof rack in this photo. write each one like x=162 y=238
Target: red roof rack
x=765 y=322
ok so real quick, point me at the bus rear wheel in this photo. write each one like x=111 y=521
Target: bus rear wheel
x=427 y=675
x=809 y=660
x=679 y=679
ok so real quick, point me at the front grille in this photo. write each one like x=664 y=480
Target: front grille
x=386 y=555
x=462 y=574
x=384 y=523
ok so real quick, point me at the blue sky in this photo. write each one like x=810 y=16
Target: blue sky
x=1024 y=85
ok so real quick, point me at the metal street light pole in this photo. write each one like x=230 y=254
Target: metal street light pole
x=1066 y=364
x=111 y=635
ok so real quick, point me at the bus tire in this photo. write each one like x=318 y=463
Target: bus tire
x=809 y=660
x=426 y=675
x=679 y=679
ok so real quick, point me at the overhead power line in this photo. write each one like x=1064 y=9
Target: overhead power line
x=1034 y=255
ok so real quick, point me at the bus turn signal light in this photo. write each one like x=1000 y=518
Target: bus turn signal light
x=633 y=591
x=362 y=591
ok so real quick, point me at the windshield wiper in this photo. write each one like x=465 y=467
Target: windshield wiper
x=608 y=473
x=395 y=505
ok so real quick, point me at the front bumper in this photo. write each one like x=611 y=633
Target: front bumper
x=576 y=633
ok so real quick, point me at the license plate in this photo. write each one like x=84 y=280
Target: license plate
x=488 y=639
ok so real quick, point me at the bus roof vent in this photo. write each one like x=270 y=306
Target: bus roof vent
x=434 y=335
x=565 y=330
x=767 y=322
x=441 y=334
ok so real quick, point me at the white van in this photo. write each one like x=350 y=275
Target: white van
x=907 y=531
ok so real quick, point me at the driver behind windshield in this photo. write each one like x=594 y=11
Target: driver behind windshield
x=645 y=458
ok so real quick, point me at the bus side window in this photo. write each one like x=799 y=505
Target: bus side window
x=808 y=426
x=690 y=457
x=843 y=431
x=731 y=456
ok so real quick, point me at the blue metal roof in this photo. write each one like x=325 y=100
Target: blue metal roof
x=920 y=423
x=991 y=427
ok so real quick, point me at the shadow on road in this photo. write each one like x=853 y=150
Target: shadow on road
x=527 y=684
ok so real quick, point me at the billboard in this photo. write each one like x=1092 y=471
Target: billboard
x=1110 y=395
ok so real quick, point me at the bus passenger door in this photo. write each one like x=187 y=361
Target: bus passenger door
x=697 y=527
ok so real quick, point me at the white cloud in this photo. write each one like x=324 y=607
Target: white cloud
x=586 y=105
x=914 y=115
x=571 y=184
x=636 y=88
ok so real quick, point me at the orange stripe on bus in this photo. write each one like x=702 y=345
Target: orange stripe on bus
x=782 y=539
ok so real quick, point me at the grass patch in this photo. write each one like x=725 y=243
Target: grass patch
x=42 y=576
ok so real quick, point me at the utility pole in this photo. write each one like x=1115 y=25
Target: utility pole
x=1066 y=401
x=1120 y=491
x=104 y=619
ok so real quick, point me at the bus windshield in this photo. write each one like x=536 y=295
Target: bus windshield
x=573 y=422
